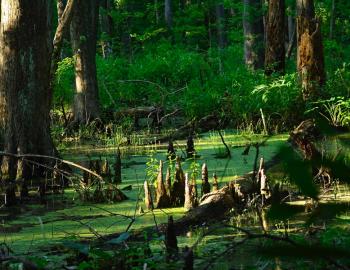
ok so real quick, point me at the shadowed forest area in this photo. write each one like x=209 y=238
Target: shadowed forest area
x=174 y=134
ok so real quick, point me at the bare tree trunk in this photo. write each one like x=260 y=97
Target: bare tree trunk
x=84 y=35
x=275 y=37
x=25 y=53
x=310 y=50
x=253 y=34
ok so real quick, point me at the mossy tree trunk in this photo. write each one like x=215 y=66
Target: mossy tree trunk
x=84 y=38
x=275 y=38
x=25 y=54
x=310 y=62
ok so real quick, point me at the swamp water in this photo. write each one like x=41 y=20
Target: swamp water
x=40 y=229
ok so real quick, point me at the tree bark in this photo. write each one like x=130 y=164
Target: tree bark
x=25 y=53
x=84 y=37
x=253 y=34
x=310 y=50
x=275 y=37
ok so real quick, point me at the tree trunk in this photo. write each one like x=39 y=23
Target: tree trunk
x=168 y=14
x=291 y=31
x=310 y=50
x=106 y=26
x=25 y=53
x=84 y=35
x=220 y=21
x=253 y=34
x=275 y=37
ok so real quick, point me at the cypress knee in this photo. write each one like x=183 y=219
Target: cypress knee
x=179 y=185
x=205 y=180
x=168 y=183
x=148 y=196
x=170 y=237
x=189 y=194
x=163 y=199
x=215 y=182
x=190 y=147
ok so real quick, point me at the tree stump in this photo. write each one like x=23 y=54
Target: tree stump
x=148 y=196
x=205 y=180
x=118 y=168
x=163 y=200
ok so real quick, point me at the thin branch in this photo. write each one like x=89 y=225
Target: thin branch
x=52 y=158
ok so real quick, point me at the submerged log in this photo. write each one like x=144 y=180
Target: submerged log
x=163 y=200
x=212 y=206
x=205 y=180
x=148 y=196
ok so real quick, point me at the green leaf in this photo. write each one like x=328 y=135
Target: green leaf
x=299 y=171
